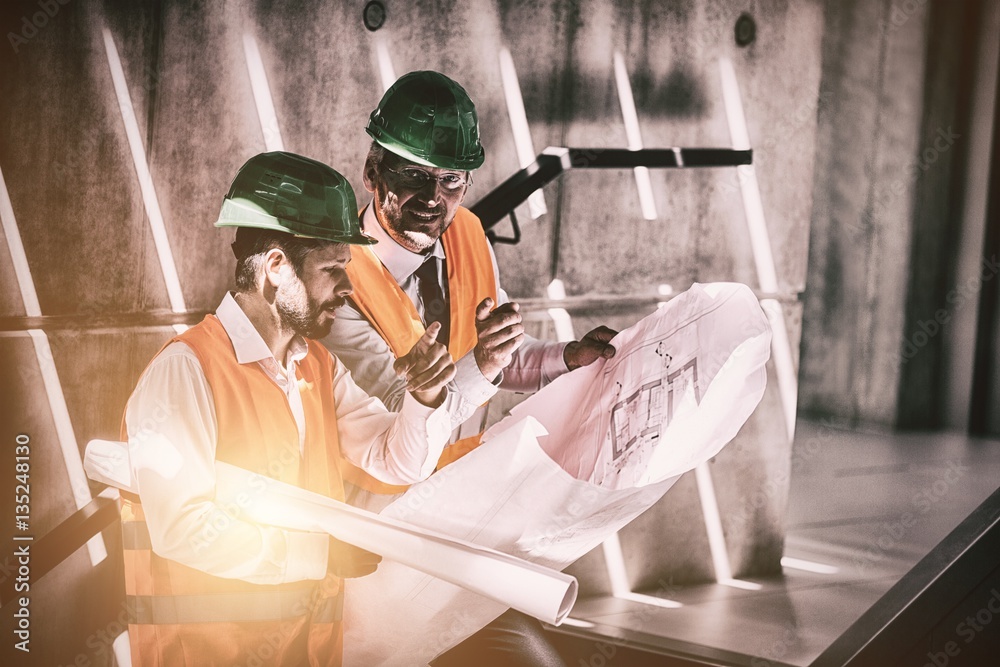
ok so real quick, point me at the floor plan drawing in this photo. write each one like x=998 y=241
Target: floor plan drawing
x=638 y=420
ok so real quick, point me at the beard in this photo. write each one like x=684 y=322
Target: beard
x=300 y=314
x=391 y=214
x=418 y=240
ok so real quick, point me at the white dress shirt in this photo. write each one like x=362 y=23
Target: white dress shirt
x=353 y=340
x=172 y=430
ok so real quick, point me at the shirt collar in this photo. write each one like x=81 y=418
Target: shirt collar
x=400 y=262
x=247 y=342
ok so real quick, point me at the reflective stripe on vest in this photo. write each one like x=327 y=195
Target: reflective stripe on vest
x=386 y=306
x=179 y=615
x=231 y=607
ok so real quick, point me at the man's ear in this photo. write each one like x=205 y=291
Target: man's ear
x=369 y=175
x=276 y=267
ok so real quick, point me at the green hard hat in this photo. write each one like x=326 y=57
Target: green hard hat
x=428 y=119
x=289 y=193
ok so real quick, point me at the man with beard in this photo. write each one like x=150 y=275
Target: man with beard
x=433 y=264
x=249 y=387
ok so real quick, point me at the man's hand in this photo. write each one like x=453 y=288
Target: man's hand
x=427 y=367
x=500 y=333
x=590 y=348
x=348 y=561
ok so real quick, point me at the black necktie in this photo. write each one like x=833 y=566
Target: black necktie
x=435 y=307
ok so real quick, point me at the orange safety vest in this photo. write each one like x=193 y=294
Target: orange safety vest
x=379 y=298
x=182 y=616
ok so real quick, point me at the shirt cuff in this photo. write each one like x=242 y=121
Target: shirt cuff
x=471 y=383
x=437 y=431
x=305 y=555
x=437 y=421
x=553 y=364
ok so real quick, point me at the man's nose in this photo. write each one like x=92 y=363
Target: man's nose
x=344 y=286
x=431 y=188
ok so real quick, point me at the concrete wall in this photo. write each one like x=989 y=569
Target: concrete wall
x=85 y=223
x=889 y=321
x=867 y=132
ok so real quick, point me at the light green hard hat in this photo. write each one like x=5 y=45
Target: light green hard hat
x=289 y=193
x=428 y=119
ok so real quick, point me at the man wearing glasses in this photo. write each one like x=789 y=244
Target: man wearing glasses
x=433 y=263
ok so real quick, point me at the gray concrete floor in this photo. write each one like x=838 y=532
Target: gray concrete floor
x=868 y=504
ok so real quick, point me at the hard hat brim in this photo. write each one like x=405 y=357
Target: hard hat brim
x=236 y=213
x=439 y=162
x=358 y=239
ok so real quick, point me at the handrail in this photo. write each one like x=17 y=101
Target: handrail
x=105 y=320
x=555 y=160
x=159 y=319
x=623 y=302
x=59 y=543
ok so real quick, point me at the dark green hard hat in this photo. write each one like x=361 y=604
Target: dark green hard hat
x=289 y=193
x=428 y=119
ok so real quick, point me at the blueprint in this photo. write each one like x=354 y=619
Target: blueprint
x=571 y=466
x=609 y=421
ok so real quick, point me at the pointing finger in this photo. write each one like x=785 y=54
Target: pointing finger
x=430 y=335
x=406 y=363
x=483 y=309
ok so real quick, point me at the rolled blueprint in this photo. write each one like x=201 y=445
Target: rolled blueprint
x=538 y=591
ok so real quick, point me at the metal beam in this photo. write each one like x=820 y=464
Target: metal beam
x=552 y=162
